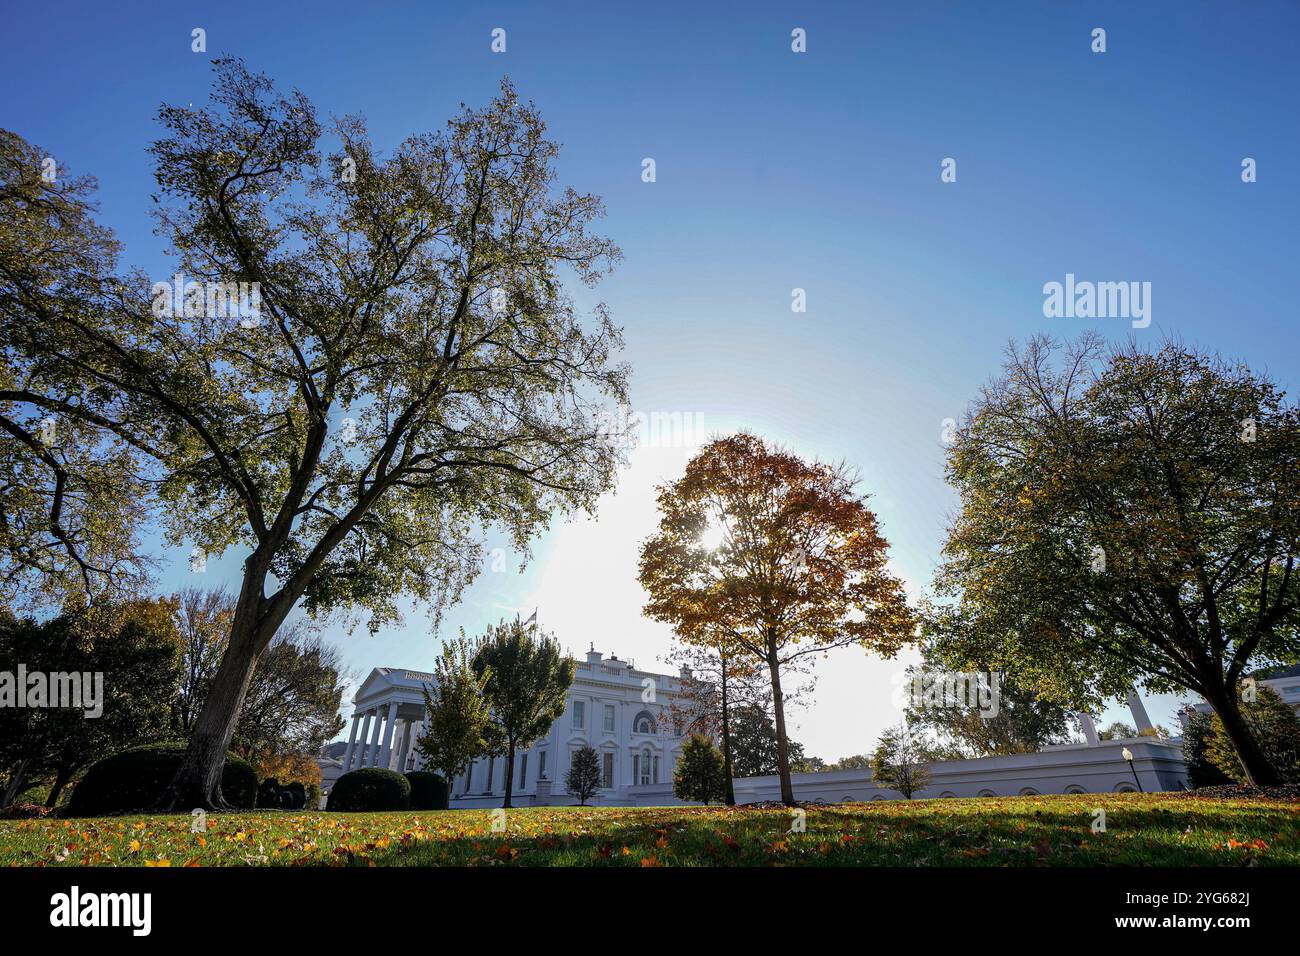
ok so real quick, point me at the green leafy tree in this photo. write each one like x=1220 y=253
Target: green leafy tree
x=1117 y=730
x=1274 y=724
x=698 y=775
x=74 y=497
x=414 y=371
x=133 y=645
x=1198 y=731
x=898 y=762
x=456 y=706
x=526 y=680
x=754 y=744
x=1128 y=518
x=808 y=765
x=855 y=762
x=583 y=776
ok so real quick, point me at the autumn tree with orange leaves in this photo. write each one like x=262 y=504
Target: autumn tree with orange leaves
x=775 y=558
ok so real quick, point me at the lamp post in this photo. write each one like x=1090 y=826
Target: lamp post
x=1128 y=756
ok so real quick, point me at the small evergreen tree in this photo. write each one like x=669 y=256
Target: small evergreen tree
x=896 y=763
x=699 y=775
x=457 y=711
x=526 y=679
x=584 y=775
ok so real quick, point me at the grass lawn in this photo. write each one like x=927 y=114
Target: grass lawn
x=1141 y=830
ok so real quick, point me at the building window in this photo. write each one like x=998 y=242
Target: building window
x=645 y=768
x=487 y=788
x=579 y=714
x=607 y=771
x=469 y=776
x=609 y=718
x=656 y=771
x=541 y=765
x=677 y=728
x=644 y=723
x=523 y=771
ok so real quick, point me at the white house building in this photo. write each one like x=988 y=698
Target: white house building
x=626 y=716
x=622 y=713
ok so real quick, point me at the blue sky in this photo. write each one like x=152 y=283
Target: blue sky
x=777 y=171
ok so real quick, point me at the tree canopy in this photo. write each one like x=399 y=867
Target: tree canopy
x=413 y=369
x=1127 y=517
x=772 y=557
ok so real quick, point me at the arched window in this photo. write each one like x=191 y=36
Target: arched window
x=644 y=723
x=1030 y=792
x=986 y=793
x=1075 y=788
x=947 y=794
x=1124 y=788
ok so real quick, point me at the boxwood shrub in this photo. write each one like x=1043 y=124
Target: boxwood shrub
x=428 y=790
x=370 y=788
x=138 y=778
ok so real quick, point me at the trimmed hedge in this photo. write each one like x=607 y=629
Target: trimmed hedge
x=138 y=778
x=370 y=788
x=428 y=790
x=273 y=795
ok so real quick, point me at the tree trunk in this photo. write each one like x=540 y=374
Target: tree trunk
x=1255 y=764
x=16 y=785
x=61 y=777
x=198 y=780
x=730 y=796
x=782 y=747
x=510 y=775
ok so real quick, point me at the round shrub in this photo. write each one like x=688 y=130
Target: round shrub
x=138 y=778
x=268 y=794
x=370 y=788
x=295 y=795
x=428 y=790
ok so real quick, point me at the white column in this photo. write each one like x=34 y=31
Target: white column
x=352 y=742
x=1089 y=729
x=365 y=733
x=372 y=753
x=1139 y=711
x=405 y=750
x=386 y=754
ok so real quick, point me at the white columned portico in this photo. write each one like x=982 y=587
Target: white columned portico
x=408 y=732
x=365 y=735
x=385 y=753
x=375 y=735
x=352 y=742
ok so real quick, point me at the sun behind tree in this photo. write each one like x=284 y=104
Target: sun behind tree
x=799 y=567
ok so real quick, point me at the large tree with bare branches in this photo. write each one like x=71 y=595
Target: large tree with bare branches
x=775 y=558
x=415 y=370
